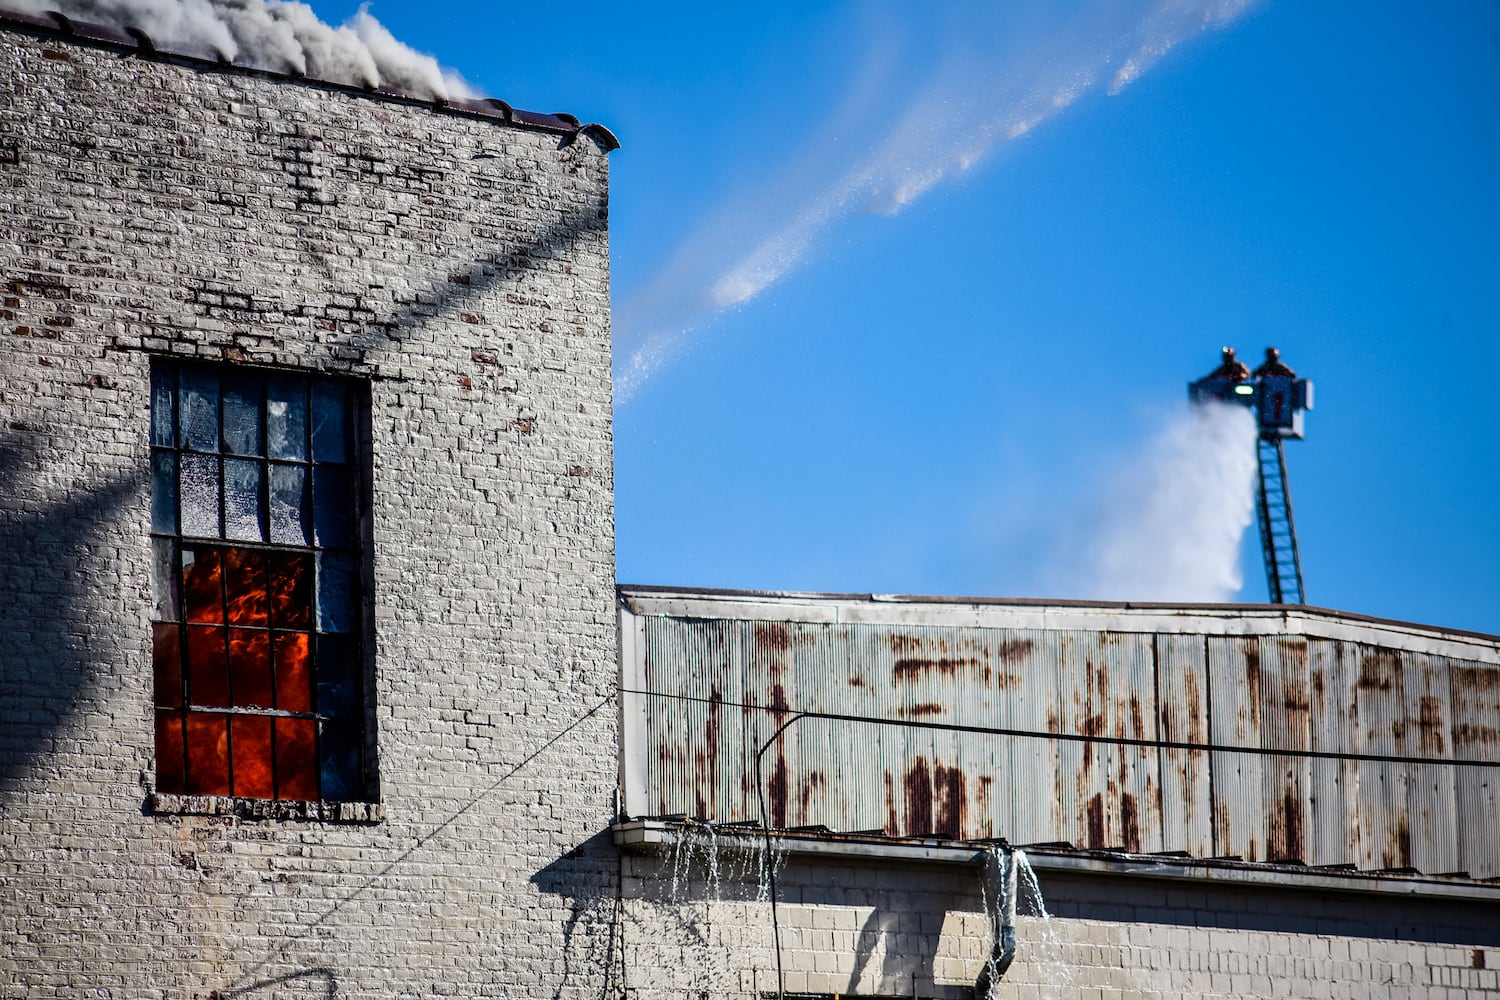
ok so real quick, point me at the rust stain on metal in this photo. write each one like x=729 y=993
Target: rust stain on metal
x=774 y=635
x=1137 y=718
x=778 y=787
x=809 y=786
x=1285 y=841
x=1473 y=735
x=1296 y=698
x=1013 y=650
x=1380 y=671
x=778 y=790
x=1398 y=854
x=1430 y=726
x=951 y=800
x=715 y=703
x=1252 y=681
x=893 y=819
x=1196 y=714
x=856 y=681
x=919 y=798
x=1096 y=821
x=779 y=703
x=1222 y=836
x=913 y=667
x=1130 y=823
x=904 y=643
x=923 y=710
x=1478 y=679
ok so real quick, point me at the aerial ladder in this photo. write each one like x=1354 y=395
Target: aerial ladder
x=1278 y=399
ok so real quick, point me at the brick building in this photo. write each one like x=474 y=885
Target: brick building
x=307 y=532
x=315 y=680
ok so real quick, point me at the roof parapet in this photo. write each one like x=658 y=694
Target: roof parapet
x=135 y=41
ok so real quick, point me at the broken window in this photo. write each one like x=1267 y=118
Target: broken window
x=255 y=525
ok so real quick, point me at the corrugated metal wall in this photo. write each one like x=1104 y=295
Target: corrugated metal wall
x=1273 y=726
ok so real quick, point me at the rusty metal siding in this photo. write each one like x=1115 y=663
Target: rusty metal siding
x=1265 y=720
x=1234 y=721
x=1332 y=729
x=1181 y=684
x=1474 y=693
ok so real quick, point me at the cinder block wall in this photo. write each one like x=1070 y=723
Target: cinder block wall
x=459 y=268
x=698 y=919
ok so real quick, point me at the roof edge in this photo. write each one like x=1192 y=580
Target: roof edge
x=646 y=591
x=135 y=42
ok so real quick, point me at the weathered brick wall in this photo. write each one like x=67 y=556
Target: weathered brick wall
x=460 y=267
x=853 y=928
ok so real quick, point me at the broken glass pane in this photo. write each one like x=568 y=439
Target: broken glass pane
x=244 y=513
x=163 y=580
x=250 y=736
x=291 y=590
x=337 y=592
x=208 y=676
x=164 y=492
x=330 y=422
x=163 y=397
x=207 y=753
x=200 y=495
x=338 y=745
x=202 y=585
x=286 y=418
x=289 y=520
x=296 y=759
x=199 y=400
x=333 y=505
x=242 y=407
x=245 y=587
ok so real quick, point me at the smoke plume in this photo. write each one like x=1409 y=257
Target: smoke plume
x=1001 y=71
x=1170 y=522
x=282 y=36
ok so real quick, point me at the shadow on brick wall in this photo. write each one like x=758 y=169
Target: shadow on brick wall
x=277 y=987
x=52 y=569
x=587 y=878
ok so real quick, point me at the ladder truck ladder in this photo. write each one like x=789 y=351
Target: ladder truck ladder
x=1278 y=535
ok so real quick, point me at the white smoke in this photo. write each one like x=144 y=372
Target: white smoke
x=1002 y=70
x=1170 y=522
x=282 y=36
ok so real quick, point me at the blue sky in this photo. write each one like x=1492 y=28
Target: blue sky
x=947 y=398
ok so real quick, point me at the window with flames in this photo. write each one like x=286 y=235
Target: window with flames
x=257 y=543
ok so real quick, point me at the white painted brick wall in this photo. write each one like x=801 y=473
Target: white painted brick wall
x=853 y=928
x=461 y=267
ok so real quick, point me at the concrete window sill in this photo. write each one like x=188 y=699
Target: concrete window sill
x=163 y=804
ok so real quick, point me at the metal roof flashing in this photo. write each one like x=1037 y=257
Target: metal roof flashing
x=1030 y=612
x=135 y=42
x=663 y=835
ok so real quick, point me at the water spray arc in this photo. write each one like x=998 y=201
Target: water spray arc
x=1279 y=399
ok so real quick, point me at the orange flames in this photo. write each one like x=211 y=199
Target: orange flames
x=232 y=599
